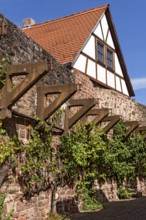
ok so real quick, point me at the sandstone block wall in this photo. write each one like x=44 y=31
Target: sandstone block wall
x=118 y=103
x=20 y=49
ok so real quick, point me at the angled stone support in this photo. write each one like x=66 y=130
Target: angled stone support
x=112 y=121
x=64 y=93
x=132 y=125
x=142 y=131
x=85 y=104
x=33 y=72
x=99 y=113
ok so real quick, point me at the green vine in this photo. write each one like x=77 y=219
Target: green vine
x=82 y=152
x=4 y=64
x=9 y=214
x=39 y=161
x=90 y=202
x=9 y=148
x=82 y=157
x=125 y=193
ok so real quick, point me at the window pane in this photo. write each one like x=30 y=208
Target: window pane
x=100 y=52
x=109 y=58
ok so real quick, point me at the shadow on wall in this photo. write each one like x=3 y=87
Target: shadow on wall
x=70 y=206
x=67 y=206
x=100 y=195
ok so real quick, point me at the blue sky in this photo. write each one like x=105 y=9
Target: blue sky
x=129 y=18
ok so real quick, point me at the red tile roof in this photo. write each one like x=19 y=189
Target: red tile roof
x=63 y=38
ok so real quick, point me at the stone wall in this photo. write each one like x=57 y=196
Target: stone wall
x=118 y=103
x=20 y=49
x=38 y=206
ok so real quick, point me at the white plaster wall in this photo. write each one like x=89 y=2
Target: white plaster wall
x=80 y=63
x=110 y=79
x=118 y=66
x=89 y=48
x=124 y=87
x=118 y=84
x=101 y=73
x=91 y=69
x=98 y=31
x=110 y=40
x=104 y=26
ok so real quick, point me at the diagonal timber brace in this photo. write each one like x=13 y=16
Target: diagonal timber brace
x=99 y=113
x=131 y=125
x=85 y=104
x=64 y=91
x=112 y=121
x=33 y=72
x=142 y=131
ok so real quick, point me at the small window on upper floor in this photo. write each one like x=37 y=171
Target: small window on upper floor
x=100 y=52
x=109 y=59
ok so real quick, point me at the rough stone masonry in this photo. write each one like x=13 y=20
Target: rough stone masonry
x=20 y=49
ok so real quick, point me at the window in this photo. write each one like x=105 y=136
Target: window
x=105 y=55
x=109 y=59
x=100 y=52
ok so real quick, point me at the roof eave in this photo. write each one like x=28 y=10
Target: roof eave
x=119 y=53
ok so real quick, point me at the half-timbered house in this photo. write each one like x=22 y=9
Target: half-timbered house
x=86 y=41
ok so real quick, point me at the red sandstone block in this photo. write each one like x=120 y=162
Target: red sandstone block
x=21 y=218
x=22 y=134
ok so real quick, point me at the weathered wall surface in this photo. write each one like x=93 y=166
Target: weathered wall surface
x=20 y=49
x=38 y=206
x=118 y=103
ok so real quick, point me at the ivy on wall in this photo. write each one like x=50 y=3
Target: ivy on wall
x=36 y=164
x=4 y=64
x=83 y=156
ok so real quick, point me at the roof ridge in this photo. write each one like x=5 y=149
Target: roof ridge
x=70 y=16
